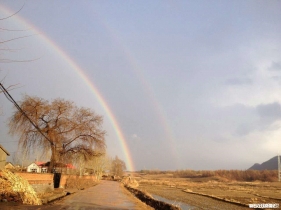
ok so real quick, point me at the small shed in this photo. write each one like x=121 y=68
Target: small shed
x=3 y=157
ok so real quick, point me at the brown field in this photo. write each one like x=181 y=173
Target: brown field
x=218 y=190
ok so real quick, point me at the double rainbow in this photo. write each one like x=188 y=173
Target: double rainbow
x=61 y=53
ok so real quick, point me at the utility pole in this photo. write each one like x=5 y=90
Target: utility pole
x=279 y=168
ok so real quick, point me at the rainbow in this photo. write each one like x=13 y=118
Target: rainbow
x=84 y=77
x=136 y=67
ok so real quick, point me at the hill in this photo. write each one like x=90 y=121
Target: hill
x=271 y=164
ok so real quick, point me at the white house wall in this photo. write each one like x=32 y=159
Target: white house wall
x=33 y=166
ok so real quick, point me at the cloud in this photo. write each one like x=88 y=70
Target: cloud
x=240 y=120
x=276 y=78
x=244 y=129
x=269 y=113
x=238 y=81
x=248 y=119
x=135 y=137
x=275 y=66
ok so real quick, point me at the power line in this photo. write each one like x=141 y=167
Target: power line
x=13 y=13
x=10 y=98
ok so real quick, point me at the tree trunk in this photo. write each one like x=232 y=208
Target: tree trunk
x=53 y=160
x=82 y=163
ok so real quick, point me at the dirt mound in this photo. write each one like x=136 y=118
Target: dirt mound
x=15 y=188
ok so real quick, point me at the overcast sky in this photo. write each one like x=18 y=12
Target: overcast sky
x=192 y=84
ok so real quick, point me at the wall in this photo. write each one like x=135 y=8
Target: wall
x=44 y=182
x=40 y=182
x=33 y=166
x=3 y=157
x=64 y=178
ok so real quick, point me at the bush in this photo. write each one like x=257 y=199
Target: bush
x=231 y=175
x=79 y=183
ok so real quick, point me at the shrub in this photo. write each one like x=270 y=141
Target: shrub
x=231 y=175
x=79 y=182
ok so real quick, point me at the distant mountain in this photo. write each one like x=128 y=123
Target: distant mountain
x=271 y=164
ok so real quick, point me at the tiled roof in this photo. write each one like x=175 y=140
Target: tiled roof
x=58 y=165
x=70 y=166
x=39 y=163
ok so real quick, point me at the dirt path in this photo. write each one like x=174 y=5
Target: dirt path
x=106 y=195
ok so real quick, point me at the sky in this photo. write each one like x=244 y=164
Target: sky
x=187 y=84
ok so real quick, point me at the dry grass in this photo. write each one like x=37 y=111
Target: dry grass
x=13 y=185
x=130 y=182
x=229 y=175
x=225 y=185
x=79 y=183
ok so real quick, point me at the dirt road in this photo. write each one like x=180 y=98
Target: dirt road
x=106 y=195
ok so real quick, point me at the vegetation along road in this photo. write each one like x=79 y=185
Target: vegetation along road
x=106 y=195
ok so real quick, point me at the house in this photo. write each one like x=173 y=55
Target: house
x=37 y=167
x=41 y=167
x=70 y=169
x=9 y=166
x=33 y=168
x=3 y=157
x=62 y=168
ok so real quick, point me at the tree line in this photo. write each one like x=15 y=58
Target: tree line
x=231 y=175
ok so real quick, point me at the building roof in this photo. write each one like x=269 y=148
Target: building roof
x=1 y=147
x=9 y=165
x=62 y=165
x=70 y=166
x=32 y=164
x=39 y=163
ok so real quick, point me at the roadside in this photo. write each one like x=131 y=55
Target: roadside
x=105 y=195
x=149 y=200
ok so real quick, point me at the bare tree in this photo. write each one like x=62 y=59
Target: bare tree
x=98 y=165
x=80 y=160
x=4 y=48
x=20 y=159
x=118 y=167
x=60 y=127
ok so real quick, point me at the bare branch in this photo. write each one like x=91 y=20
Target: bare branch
x=21 y=37
x=12 y=30
x=17 y=61
x=71 y=131
x=13 y=13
